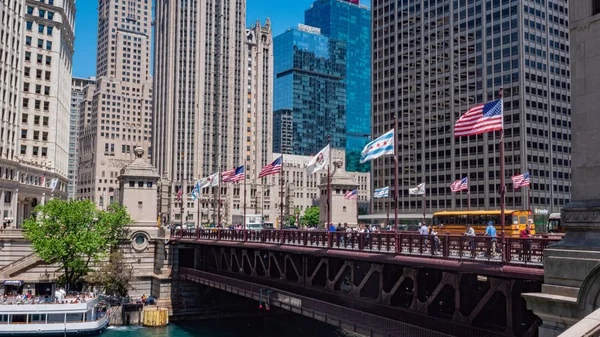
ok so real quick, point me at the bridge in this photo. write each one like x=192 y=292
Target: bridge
x=379 y=284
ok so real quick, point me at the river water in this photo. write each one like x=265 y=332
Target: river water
x=277 y=326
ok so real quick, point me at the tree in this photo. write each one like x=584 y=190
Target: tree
x=311 y=216
x=114 y=275
x=75 y=235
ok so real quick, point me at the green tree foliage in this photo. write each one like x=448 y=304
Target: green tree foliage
x=311 y=216
x=114 y=275
x=75 y=235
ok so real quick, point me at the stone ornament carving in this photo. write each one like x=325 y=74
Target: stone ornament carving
x=337 y=164
x=581 y=216
x=139 y=152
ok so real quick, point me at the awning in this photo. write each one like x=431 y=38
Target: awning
x=13 y=283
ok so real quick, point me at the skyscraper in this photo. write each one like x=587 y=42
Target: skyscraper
x=348 y=21
x=47 y=85
x=212 y=108
x=121 y=116
x=11 y=69
x=258 y=140
x=432 y=63
x=77 y=95
x=309 y=80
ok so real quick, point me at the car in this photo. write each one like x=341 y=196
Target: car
x=254 y=227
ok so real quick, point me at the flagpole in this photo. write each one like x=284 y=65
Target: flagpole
x=388 y=209
x=281 y=193
x=199 y=214
x=329 y=186
x=357 y=207
x=502 y=187
x=245 y=166
x=396 y=180
x=219 y=197
x=469 y=194
x=424 y=200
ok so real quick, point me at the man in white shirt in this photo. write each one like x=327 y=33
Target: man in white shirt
x=423 y=229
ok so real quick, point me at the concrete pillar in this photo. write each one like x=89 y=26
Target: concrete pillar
x=571 y=287
x=14 y=207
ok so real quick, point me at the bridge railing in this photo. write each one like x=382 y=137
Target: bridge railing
x=524 y=251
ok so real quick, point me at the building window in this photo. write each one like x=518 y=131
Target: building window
x=28 y=40
x=50 y=15
x=36 y=149
x=44 y=151
x=48 y=45
x=42 y=13
x=27 y=56
x=24 y=134
x=595 y=7
x=23 y=149
x=48 y=60
x=29 y=25
x=24 y=118
x=49 y=30
x=45 y=122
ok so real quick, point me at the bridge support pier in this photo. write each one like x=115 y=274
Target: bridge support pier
x=571 y=288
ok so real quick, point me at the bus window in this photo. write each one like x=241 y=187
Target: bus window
x=515 y=220
x=522 y=220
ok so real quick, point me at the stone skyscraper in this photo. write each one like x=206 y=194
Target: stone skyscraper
x=77 y=96
x=432 y=63
x=121 y=106
x=203 y=99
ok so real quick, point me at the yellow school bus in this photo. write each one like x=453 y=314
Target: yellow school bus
x=455 y=222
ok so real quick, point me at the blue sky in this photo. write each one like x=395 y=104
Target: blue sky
x=283 y=13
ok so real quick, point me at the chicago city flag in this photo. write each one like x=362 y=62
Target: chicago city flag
x=382 y=192
x=318 y=162
x=379 y=147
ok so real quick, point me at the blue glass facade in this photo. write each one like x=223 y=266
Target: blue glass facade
x=309 y=78
x=347 y=21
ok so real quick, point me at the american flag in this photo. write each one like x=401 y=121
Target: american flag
x=180 y=193
x=351 y=194
x=521 y=180
x=234 y=175
x=480 y=119
x=227 y=175
x=460 y=185
x=43 y=179
x=273 y=168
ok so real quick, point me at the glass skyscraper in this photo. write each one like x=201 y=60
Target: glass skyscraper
x=348 y=21
x=310 y=69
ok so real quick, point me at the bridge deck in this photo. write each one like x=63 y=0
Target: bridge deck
x=515 y=256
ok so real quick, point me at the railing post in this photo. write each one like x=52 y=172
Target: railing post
x=245 y=235
x=304 y=238
x=218 y=234
x=329 y=239
x=397 y=241
x=281 y=237
x=446 y=252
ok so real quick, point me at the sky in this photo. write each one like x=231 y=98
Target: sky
x=283 y=13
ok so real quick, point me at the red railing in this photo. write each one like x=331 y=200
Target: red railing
x=520 y=251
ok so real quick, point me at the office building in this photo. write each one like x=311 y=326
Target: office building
x=212 y=103
x=301 y=191
x=349 y=21
x=258 y=140
x=310 y=69
x=44 y=57
x=77 y=94
x=433 y=62
x=11 y=70
x=121 y=106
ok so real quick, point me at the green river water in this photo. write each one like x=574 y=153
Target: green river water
x=287 y=326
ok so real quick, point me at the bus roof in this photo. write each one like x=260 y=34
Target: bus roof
x=491 y=212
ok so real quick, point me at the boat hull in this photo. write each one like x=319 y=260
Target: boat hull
x=46 y=331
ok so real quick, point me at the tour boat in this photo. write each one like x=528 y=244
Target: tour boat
x=68 y=318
